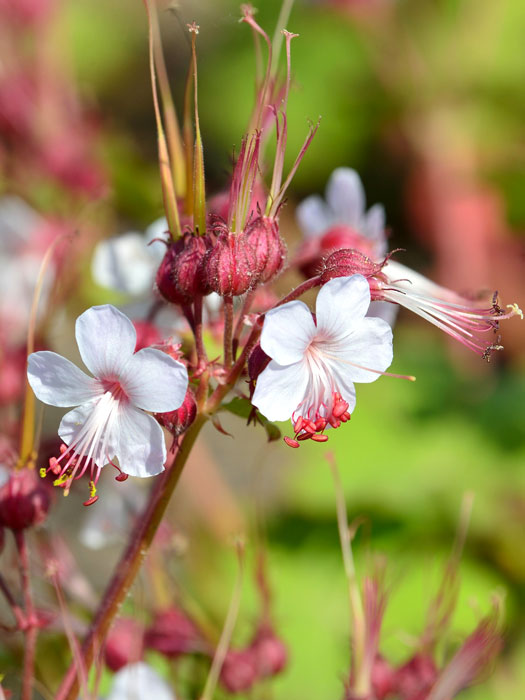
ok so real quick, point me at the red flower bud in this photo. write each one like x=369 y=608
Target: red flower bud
x=24 y=501
x=349 y=261
x=179 y=420
x=383 y=678
x=124 y=644
x=239 y=670
x=313 y=250
x=270 y=653
x=179 y=277
x=173 y=634
x=415 y=678
x=269 y=248
x=230 y=266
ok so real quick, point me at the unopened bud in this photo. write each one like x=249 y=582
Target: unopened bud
x=314 y=250
x=269 y=248
x=230 y=266
x=173 y=633
x=124 y=644
x=24 y=501
x=415 y=678
x=179 y=420
x=179 y=277
x=349 y=261
x=239 y=670
x=383 y=678
x=270 y=653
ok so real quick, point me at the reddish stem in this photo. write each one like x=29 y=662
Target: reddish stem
x=31 y=629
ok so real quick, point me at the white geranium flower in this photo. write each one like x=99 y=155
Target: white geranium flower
x=314 y=363
x=345 y=205
x=139 y=682
x=128 y=263
x=110 y=419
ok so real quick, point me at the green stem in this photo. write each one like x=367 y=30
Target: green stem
x=132 y=559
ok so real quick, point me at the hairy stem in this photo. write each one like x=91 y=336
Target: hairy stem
x=31 y=630
x=132 y=559
x=228 y=331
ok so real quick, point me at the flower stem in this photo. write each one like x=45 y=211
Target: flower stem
x=31 y=629
x=240 y=320
x=132 y=559
x=202 y=359
x=299 y=290
x=228 y=331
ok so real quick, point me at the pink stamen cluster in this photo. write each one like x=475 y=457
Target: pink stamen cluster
x=313 y=429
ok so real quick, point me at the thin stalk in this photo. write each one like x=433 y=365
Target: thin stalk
x=31 y=629
x=299 y=290
x=199 y=192
x=248 y=299
x=361 y=681
x=132 y=559
x=17 y=611
x=202 y=358
x=227 y=631
x=277 y=40
x=228 y=331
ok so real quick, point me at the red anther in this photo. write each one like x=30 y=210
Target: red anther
x=319 y=438
x=309 y=426
x=298 y=425
x=320 y=424
x=91 y=500
x=290 y=442
x=304 y=436
x=53 y=464
x=121 y=477
x=346 y=416
x=62 y=448
x=339 y=408
x=334 y=422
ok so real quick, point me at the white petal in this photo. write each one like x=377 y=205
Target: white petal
x=58 y=382
x=279 y=390
x=341 y=306
x=124 y=263
x=314 y=216
x=138 y=681
x=374 y=228
x=385 y=310
x=287 y=331
x=72 y=425
x=106 y=339
x=369 y=346
x=344 y=384
x=154 y=381
x=141 y=449
x=346 y=196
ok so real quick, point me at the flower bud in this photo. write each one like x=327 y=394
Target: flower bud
x=270 y=653
x=239 y=670
x=179 y=277
x=313 y=250
x=383 y=678
x=269 y=248
x=173 y=633
x=124 y=644
x=230 y=266
x=24 y=501
x=416 y=677
x=179 y=420
x=350 y=261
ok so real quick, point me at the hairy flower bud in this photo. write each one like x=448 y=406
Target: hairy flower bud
x=178 y=421
x=24 y=501
x=173 y=633
x=313 y=251
x=269 y=248
x=349 y=261
x=239 y=670
x=230 y=266
x=179 y=277
x=124 y=644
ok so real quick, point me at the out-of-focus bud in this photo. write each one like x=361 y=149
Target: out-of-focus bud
x=179 y=277
x=270 y=652
x=173 y=633
x=24 y=501
x=147 y=334
x=269 y=248
x=178 y=421
x=383 y=678
x=230 y=266
x=124 y=644
x=239 y=670
x=416 y=677
x=313 y=251
x=349 y=261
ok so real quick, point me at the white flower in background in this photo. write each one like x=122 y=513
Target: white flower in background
x=128 y=263
x=314 y=363
x=345 y=205
x=110 y=420
x=139 y=682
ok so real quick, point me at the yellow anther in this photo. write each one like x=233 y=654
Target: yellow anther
x=42 y=471
x=92 y=489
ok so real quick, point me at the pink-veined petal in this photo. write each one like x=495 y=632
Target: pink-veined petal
x=154 y=381
x=346 y=196
x=106 y=339
x=344 y=385
x=341 y=305
x=139 y=440
x=58 y=382
x=279 y=390
x=369 y=345
x=287 y=331
x=80 y=425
